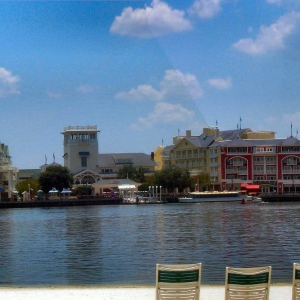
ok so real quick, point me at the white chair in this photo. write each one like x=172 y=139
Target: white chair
x=175 y=282
x=248 y=283
x=296 y=282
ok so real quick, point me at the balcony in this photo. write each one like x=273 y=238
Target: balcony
x=291 y=171
x=258 y=172
x=238 y=163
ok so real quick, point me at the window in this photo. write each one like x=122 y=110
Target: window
x=83 y=162
x=258 y=159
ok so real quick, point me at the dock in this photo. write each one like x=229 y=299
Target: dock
x=280 y=197
x=60 y=203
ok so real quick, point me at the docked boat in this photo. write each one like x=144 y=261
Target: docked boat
x=253 y=199
x=226 y=196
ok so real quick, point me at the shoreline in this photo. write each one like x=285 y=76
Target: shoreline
x=280 y=291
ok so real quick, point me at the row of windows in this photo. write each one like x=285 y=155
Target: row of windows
x=237 y=150
x=83 y=136
x=264 y=149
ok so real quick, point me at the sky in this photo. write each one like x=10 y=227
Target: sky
x=144 y=71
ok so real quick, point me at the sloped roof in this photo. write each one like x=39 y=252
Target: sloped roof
x=114 y=183
x=137 y=159
x=290 y=141
x=232 y=134
x=239 y=142
x=202 y=140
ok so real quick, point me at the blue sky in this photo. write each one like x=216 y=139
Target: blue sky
x=141 y=70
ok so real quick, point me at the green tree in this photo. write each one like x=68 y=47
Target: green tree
x=83 y=190
x=23 y=185
x=173 y=177
x=55 y=177
x=128 y=171
x=204 y=181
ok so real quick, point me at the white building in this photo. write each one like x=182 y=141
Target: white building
x=8 y=173
x=81 y=148
x=82 y=158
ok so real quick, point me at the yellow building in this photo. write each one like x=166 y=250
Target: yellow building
x=158 y=157
x=202 y=154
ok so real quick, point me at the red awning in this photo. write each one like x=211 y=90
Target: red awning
x=250 y=187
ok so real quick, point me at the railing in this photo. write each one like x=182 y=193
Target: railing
x=80 y=127
x=255 y=172
x=271 y=162
x=293 y=171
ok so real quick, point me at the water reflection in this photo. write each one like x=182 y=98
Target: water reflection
x=121 y=244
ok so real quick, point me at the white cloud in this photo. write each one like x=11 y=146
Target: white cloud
x=205 y=8
x=165 y=113
x=175 y=84
x=275 y=1
x=8 y=83
x=53 y=95
x=142 y=92
x=270 y=38
x=155 y=20
x=86 y=89
x=220 y=83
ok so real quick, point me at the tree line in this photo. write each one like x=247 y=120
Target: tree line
x=169 y=178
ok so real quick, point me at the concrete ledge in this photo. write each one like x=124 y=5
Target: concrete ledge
x=207 y=292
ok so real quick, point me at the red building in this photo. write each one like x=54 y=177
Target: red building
x=274 y=164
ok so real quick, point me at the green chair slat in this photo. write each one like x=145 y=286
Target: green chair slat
x=297 y=274
x=248 y=279
x=178 y=276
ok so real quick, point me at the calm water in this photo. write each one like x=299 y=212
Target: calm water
x=110 y=245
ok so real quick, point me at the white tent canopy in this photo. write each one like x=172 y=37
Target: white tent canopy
x=113 y=184
x=126 y=187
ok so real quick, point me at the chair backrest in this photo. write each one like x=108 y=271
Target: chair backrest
x=248 y=283
x=178 y=281
x=296 y=282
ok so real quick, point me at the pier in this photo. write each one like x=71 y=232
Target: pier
x=280 y=197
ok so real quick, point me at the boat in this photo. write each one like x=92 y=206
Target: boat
x=253 y=199
x=226 y=196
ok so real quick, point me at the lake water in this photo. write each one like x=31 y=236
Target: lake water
x=120 y=244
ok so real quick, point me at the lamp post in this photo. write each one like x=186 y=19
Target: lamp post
x=196 y=187
x=29 y=191
x=159 y=193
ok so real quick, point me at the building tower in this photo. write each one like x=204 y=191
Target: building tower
x=81 y=148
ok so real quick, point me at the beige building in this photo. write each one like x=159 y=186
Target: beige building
x=8 y=173
x=202 y=154
x=82 y=158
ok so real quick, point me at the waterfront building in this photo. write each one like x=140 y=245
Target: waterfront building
x=274 y=164
x=239 y=156
x=82 y=158
x=8 y=173
x=157 y=156
x=199 y=154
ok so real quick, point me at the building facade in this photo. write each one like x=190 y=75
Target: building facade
x=273 y=164
x=82 y=158
x=8 y=173
x=235 y=157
